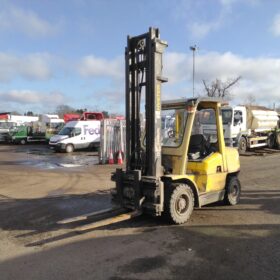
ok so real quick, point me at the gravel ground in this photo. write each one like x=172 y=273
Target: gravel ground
x=39 y=188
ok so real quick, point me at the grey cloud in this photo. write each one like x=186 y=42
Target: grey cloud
x=31 y=67
x=26 y=97
x=26 y=21
x=92 y=66
x=260 y=76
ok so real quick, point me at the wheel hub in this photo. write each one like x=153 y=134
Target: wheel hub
x=181 y=204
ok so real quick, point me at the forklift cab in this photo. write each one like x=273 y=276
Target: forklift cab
x=187 y=133
x=196 y=156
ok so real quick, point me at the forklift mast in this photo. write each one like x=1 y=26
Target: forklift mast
x=143 y=56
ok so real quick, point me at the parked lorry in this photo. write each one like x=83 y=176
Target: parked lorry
x=5 y=128
x=36 y=131
x=84 y=117
x=28 y=133
x=77 y=135
x=71 y=117
x=9 y=124
x=51 y=125
x=92 y=116
x=246 y=127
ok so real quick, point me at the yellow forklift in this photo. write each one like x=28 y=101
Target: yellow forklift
x=170 y=169
x=171 y=172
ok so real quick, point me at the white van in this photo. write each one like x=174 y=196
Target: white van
x=77 y=135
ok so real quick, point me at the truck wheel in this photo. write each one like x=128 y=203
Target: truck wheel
x=242 y=145
x=232 y=191
x=278 y=140
x=69 y=148
x=179 y=203
x=271 y=141
x=23 y=141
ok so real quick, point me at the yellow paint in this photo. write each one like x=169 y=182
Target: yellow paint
x=208 y=174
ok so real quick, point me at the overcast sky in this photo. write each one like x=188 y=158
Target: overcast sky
x=72 y=52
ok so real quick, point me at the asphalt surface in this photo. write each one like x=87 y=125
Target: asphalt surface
x=39 y=188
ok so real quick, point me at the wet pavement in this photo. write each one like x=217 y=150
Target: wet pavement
x=42 y=157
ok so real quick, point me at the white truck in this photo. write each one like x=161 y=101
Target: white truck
x=167 y=125
x=77 y=135
x=247 y=127
x=51 y=124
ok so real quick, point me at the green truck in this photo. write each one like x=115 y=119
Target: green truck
x=24 y=134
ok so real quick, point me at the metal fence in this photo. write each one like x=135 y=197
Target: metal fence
x=112 y=141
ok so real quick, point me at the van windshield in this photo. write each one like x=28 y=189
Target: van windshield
x=66 y=131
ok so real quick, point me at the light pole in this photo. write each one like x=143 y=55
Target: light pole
x=193 y=49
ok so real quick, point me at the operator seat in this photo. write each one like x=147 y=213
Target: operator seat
x=198 y=145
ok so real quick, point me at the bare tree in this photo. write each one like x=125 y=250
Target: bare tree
x=64 y=109
x=218 y=88
x=250 y=100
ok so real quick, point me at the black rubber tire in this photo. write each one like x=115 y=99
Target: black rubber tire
x=69 y=148
x=179 y=194
x=278 y=140
x=242 y=145
x=23 y=141
x=232 y=191
x=271 y=141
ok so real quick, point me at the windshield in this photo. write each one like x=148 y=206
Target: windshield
x=7 y=125
x=227 y=116
x=173 y=126
x=56 y=125
x=66 y=131
x=207 y=116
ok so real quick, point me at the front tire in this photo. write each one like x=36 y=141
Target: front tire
x=69 y=148
x=242 y=145
x=233 y=191
x=23 y=141
x=179 y=203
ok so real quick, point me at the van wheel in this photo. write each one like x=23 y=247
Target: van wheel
x=233 y=191
x=242 y=145
x=69 y=148
x=179 y=203
x=23 y=141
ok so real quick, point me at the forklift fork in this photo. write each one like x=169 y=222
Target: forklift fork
x=104 y=217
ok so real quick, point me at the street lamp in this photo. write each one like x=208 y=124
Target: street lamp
x=193 y=49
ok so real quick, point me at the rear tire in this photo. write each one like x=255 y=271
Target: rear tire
x=23 y=141
x=233 y=191
x=69 y=148
x=271 y=141
x=179 y=203
x=278 y=140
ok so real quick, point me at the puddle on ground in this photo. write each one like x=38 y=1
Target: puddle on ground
x=44 y=158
